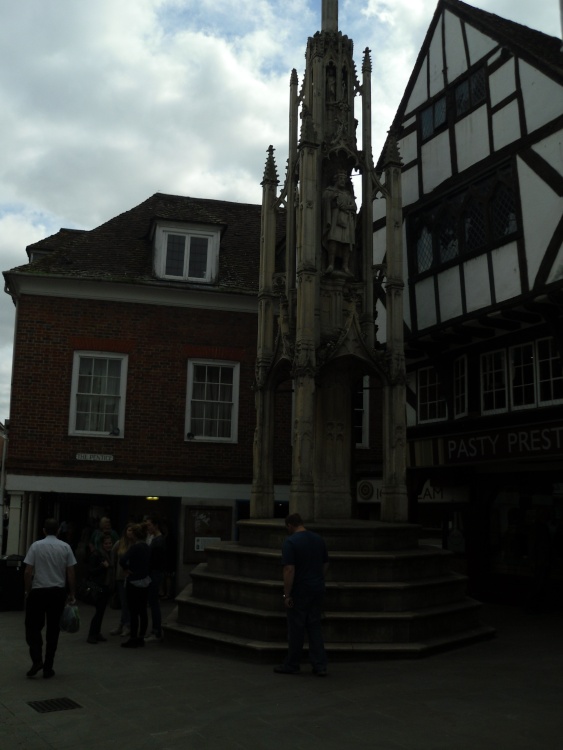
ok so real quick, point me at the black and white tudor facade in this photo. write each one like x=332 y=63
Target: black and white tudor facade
x=480 y=132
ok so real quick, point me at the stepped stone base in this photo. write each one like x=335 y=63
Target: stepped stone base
x=385 y=595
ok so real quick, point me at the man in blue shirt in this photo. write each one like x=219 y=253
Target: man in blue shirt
x=305 y=562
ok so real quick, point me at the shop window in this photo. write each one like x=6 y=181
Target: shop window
x=523 y=380
x=460 y=387
x=549 y=373
x=431 y=402
x=493 y=382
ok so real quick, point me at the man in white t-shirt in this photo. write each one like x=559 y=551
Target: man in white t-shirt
x=49 y=567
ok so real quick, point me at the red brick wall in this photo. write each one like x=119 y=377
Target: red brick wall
x=159 y=342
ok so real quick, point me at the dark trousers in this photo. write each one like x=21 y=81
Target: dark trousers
x=44 y=606
x=305 y=617
x=137 y=599
x=100 y=603
x=154 y=601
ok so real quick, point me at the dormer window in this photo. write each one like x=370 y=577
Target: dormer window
x=186 y=253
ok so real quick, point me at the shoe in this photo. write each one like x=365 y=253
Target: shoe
x=152 y=638
x=36 y=667
x=284 y=669
x=92 y=639
x=320 y=672
x=125 y=632
x=101 y=639
x=117 y=631
x=48 y=673
x=131 y=643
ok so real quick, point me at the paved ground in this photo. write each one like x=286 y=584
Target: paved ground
x=502 y=694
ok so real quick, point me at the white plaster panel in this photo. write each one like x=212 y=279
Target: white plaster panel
x=449 y=291
x=556 y=272
x=379 y=245
x=407 y=147
x=543 y=98
x=409 y=121
x=425 y=303
x=436 y=161
x=477 y=288
x=551 y=149
x=506 y=126
x=505 y=272
x=472 y=138
x=541 y=209
x=479 y=44
x=436 y=62
x=456 y=60
x=410 y=186
x=502 y=82
x=420 y=90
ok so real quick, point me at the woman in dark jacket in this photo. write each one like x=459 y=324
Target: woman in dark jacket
x=136 y=564
x=100 y=573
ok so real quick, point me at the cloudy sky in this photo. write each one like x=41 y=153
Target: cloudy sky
x=105 y=103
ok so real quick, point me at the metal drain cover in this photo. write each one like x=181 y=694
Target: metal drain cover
x=54 y=704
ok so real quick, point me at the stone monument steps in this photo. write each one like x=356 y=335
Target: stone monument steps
x=373 y=596
x=357 y=627
x=340 y=535
x=233 y=558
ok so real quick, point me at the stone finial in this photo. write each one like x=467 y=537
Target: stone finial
x=330 y=15
x=293 y=80
x=366 y=66
x=391 y=153
x=270 y=170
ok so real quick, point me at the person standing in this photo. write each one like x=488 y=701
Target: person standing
x=120 y=548
x=100 y=573
x=305 y=562
x=49 y=567
x=135 y=563
x=157 y=548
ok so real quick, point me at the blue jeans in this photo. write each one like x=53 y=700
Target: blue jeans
x=305 y=617
x=154 y=601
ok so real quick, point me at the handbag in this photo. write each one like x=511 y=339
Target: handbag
x=89 y=591
x=70 y=619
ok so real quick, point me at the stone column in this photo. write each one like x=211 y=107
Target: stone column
x=14 y=525
x=394 y=503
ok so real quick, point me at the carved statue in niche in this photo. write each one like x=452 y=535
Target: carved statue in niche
x=339 y=222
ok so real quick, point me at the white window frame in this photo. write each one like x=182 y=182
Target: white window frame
x=190 y=432
x=503 y=369
x=117 y=430
x=523 y=369
x=439 y=403
x=460 y=387
x=559 y=376
x=212 y=234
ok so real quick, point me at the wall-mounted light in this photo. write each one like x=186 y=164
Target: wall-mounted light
x=190 y=436
x=152 y=498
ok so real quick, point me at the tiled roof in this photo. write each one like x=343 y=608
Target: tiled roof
x=520 y=39
x=121 y=249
